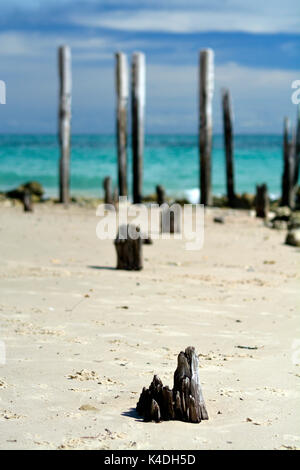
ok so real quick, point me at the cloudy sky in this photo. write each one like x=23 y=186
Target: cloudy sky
x=257 y=55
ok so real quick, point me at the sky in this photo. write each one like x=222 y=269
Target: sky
x=257 y=56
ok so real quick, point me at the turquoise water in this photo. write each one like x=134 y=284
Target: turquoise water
x=169 y=160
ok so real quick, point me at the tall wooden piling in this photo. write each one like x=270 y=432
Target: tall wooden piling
x=138 y=78
x=206 y=87
x=122 y=104
x=228 y=144
x=65 y=90
x=288 y=193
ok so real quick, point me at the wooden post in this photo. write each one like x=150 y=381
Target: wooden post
x=228 y=143
x=27 y=201
x=138 y=110
x=170 y=220
x=206 y=86
x=287 y=198
x=129 y=248
x=64 y=61
x=161 y=195
x=122 y=104
x=262 y=201
x=108 y=199
x=185 y=402
x=297 y=149
x=116 y=196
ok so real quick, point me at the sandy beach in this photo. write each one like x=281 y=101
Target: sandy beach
x=82 y=338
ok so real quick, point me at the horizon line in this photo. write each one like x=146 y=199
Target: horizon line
x=148 y=134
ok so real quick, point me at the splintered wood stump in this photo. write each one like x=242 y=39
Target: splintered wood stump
x=129 y=248
x=185 y=402
x=262 y=201
x=27 y=201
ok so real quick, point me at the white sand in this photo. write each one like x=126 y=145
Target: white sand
x=59 y=316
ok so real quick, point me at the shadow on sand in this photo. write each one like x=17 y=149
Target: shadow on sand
x=110 y=268
x=132 y=413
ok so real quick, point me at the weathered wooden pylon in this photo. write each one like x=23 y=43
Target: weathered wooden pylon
x=297 y=149
x=288 y=176
x=206 y=88
x=65 y=90
x=122 y=104
x=228 y=144
x=138 y=92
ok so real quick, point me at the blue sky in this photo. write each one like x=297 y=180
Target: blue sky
x=257 y=55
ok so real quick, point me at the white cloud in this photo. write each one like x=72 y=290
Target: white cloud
x=14 y=43
x=259 y=17
x=261 y=97
x=38 y=45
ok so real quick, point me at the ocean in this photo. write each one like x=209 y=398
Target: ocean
x=169 y=160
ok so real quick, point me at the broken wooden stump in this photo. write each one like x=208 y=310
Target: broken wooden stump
x=27 y=201
x=170 y=221
x=160 y=194
x=185 y=402
x=128 y=245
x=262 y=201
x=108 y=199
x=219 y=220
x=147 y=240
x=116 y=196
